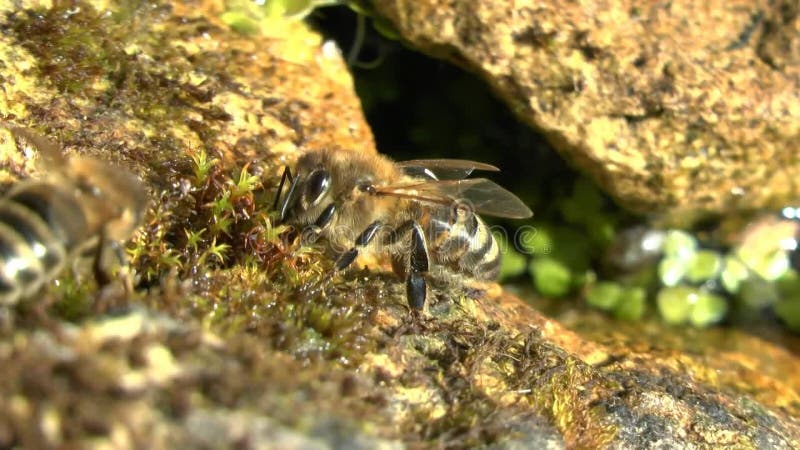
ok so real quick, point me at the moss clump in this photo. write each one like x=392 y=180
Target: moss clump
x=626 y=302
x=103 y=58
x=247 y=274
x=681 y=305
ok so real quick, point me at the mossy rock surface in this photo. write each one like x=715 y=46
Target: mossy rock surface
x=229 y=341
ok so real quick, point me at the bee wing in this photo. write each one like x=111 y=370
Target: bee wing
x=443 y=169
x=483 y=196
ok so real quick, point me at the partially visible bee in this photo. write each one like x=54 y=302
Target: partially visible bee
x=422 y=213
x=83 y=205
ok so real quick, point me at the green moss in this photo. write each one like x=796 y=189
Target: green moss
x=626 y=302
x=537 y=241
x=632 y=304
x=604 y=295
x=584 y=202
x=513 y=263
x=72 y=43
x=75 y=298
x=100 y=58
x=551 y=277
x=550 y=376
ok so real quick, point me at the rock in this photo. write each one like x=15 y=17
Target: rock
x=234 y=338
x=678 y=108
x=180 y=81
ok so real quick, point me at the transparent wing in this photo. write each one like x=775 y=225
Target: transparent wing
x=483 y=196
x=443 y=169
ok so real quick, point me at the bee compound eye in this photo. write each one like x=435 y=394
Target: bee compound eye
x=317 y=185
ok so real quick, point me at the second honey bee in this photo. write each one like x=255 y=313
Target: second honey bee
x=423 y=213
x=83 y=205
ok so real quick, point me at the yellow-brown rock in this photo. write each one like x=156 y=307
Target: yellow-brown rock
x=233 y=338
x=681 y=108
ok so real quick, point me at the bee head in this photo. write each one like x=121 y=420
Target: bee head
x=113 y=198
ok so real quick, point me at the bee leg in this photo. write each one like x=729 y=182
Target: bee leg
x=311 y=233
x=287 y=174
x=108 y=254
x=101 y=266
x=363 y=239
x=416 y=286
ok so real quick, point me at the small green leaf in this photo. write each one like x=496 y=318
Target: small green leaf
x=772 y=265
x=675 y=303
x=734 y=272
x=707 y=309
x=703 y=266
x=193 y=238
x=679 y=244
x=245 y=183
x=671 y=271
x=241 y=22
x=202 y=165
x=218 y=251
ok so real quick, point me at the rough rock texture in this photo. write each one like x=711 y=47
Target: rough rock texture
x=150 y=90
x=675 y=107
x=230 y=340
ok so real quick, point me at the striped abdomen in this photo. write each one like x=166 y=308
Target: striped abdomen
x=40 y=224
x=463 y=242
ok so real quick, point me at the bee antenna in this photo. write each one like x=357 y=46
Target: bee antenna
x=287 y=173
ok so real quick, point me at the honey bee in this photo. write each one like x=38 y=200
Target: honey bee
x=84 y=205
x=422 y=213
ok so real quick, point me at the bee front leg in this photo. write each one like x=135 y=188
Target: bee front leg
x=416 y=286
x=311 y=234
x=101 y=264
x=347 y=258
x=107 y=253
x=363 y=239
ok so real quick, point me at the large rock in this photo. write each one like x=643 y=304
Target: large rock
x=674 y=107
x=98 y=82
x=230 y=341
